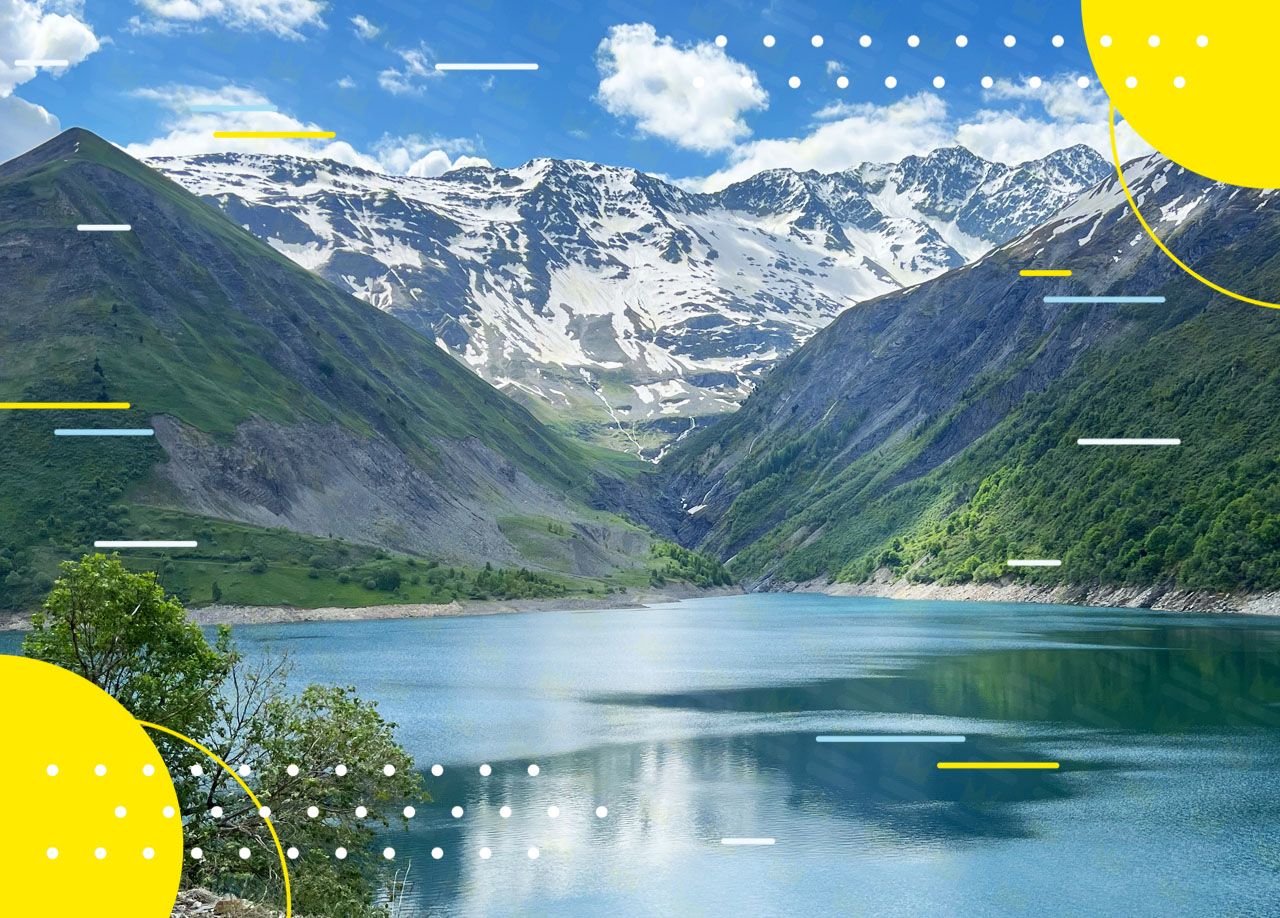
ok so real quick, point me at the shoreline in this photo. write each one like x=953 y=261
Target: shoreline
x=1159 y=598
x=275 y=615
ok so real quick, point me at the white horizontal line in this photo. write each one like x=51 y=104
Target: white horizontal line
x=1128 y=441
x=143 y=544
x=1034 y=562
x=747 y=841
x=103 y=227
x=486 y=66
x=892 y=738
x=42 y=62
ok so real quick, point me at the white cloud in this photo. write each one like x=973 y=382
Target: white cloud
x=694 y=96
x=412 y=77
x=364 y=29
x=1015 y=124
x=34 y=29
x=858 y=134
x=1032 y=122
x=23 y=125
x=285 y=18
x=190 y=133
x=346 y=83
x=29 y=31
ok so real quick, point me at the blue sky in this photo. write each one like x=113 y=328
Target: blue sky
x=629 y=83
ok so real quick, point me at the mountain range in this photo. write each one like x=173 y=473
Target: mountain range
x=614 y=302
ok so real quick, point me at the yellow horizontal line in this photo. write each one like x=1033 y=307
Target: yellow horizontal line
x=1047 y=273
x=273 y=135
x=1049 y=765
x=54 y=406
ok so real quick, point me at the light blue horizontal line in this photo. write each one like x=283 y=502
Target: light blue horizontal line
x=104 y=432
x=892 y=738
x=1104 y=299
x=231 y=108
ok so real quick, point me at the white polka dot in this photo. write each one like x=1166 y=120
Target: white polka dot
x=51 y=771
x=1105 y=41
x=196 y=854
x=361 y=812
x=340 y=770
x=533 y=854
x=148 y=770
x=313 y=812
x=167 y=812
x=842 y=82
x=602 y=812
x=1034 y=82
x=794 y=82
x=939 y=82
x=505 y=812
x=769 y=41
x=485 y=854
x=865 y=41
x=292 y=771
x=987 y=82
x=721 y=41
x=389 y=770
x=553 y=812
x=1203 y=41
x=340 y=854
x=244 y=854
x=1082 y=82
x=1010 y=41
x=457 y=812
x=1059 y=41
x=1131 y=82
x=816 y=41
x=437 y=770
x=196 y=771
x=437 y=853
x=389 y=853
x=292 y=854
x=486 y=770
x=533 y=771
x=962 y=41
x=100 y=770
x=1154 y=41
x=51 y=854
x=244 y=771
x=913 y=41
x=890 y=82
x=264 y=812
x=215 y=812
x=99 y=853
x=120 y=812
x=148 y=853
x=410 y=812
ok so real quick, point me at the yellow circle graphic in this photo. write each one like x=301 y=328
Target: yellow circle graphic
x=90 y=814
x=1194 y=80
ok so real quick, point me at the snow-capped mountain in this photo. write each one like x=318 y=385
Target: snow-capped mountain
x=619 y=300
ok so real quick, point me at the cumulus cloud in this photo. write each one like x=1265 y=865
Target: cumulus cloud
x=189 y=133
x=1020 y=122
x=411 y=77
x=286 y=18
x=29 y=31
x=34 y=30
x=1016 y=123
x=693 y=95
x=364 y=29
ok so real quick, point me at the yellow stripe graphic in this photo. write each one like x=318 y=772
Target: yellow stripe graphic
x=1046 y=273
x=274 y=135
x=966 y=765
x=59 y=406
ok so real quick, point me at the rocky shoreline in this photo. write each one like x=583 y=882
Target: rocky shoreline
x=1162 y=598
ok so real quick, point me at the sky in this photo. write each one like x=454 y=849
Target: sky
x=703 y=93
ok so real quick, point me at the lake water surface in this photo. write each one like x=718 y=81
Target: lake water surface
x=696 y=721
